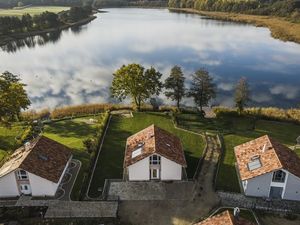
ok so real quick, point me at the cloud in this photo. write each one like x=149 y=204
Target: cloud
x=288 y=91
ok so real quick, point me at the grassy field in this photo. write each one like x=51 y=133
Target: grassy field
x=280 y=28
x=110 y=163
x=8 y=140
x=71 y=133
x=35 y=10
x=237 y=130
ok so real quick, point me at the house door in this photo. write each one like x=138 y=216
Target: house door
x=154 y=174
x=276 y=192
x=25 y=189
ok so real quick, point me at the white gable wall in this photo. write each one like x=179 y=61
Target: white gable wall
x=170 y=170
x=139 y=170
x=292 y=188
x=40 y=186
x=8 y=185
x=258 y=186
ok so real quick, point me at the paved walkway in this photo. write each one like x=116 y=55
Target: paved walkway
x=74 y=209
x=67 y=185
x=82 y=209
x=151 y=190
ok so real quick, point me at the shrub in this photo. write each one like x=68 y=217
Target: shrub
x=269 y=113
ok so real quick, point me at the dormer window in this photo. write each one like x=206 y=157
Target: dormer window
x=254 y=163
x=154 y=160
x=279 y=176
x=22 y=175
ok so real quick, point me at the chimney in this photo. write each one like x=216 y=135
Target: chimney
x=264 y=148
x=27 y=145
x=236 y=212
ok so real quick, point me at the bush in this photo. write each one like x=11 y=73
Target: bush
x=269 y=113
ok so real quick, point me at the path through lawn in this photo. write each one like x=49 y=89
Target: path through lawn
x=110 y=162
x=238 y=130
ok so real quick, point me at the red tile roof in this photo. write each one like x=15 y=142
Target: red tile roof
x=272 y=155
x=225 y=218
x=154 y=140
x=43 y=157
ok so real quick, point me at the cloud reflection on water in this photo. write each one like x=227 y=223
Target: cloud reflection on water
x=77 y=67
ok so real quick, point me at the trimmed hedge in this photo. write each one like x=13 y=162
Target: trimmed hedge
x=268 y=113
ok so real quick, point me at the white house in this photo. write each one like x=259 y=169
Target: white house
x=36 y=169
x=268 y=169
x=154 y=154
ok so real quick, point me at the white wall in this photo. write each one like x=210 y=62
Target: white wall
x=40 y=186
x=259 y=186
x=170 y=170
x=8 y=185
x=140 y=170
x=292 y=189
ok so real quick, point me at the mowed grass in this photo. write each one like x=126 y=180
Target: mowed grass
x=71 y=133
x=8 y=142
x=110 y=162
x=34 y=10
x=235 y=131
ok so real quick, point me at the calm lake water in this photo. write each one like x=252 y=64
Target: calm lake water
x=76 y=66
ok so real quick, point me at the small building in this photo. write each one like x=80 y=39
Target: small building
x=36 y=169
x=268 y=169
x=225 y=218
x=154 y=154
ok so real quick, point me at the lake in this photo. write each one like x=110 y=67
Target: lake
x=75 y=66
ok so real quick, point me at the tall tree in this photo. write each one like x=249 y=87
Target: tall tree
x=137 y=83
x=13 y=97
x=242 y=94
x=202 y=88
x=174 y=85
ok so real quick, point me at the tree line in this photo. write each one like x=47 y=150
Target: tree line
x=284 y=8
x=141 y=84
x=45 y=20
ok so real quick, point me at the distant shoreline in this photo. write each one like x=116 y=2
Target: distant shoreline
x=280 y=28
x=5 y=39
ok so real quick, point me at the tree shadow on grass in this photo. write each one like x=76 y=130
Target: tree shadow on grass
x=70 y=128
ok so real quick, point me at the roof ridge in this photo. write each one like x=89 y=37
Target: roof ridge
x=276 y=153
x=141 y=130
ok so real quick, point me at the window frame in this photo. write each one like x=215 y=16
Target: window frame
x=22 y=175
x=155 y=160
x=279 y=176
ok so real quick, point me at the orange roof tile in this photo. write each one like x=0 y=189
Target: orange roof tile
x=272 y=155
x=154 y=140
x=43 y=157
x=225 y=218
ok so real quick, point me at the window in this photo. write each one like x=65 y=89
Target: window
x=136 y=152
x=279 y=176
x=22 y=175
x=154 y=160
x=254 y=163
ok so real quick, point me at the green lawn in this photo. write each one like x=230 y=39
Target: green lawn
x=110 y=163
x=35 y=10
x=238 y=130
x=71 y=133
x=8 y=142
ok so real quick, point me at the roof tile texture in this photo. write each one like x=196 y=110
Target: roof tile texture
x=154 y=140
x=225 y=218
x=44 y=157
x=273 y=156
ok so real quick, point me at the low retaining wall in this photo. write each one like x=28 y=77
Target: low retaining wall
x=242 y=201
